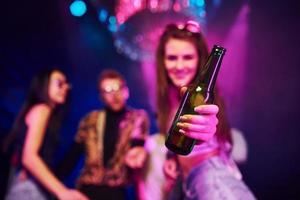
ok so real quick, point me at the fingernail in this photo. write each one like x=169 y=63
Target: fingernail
x=181 y=131
x=197 y=108
x=180 y=124
x=183 y=118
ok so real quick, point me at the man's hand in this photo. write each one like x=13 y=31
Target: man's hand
x=136 y=157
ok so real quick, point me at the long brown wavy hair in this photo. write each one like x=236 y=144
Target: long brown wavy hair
x=164 y=83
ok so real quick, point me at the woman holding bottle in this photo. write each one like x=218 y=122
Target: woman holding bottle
x=207 y=172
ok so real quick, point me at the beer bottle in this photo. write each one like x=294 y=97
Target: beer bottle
x=199 y=93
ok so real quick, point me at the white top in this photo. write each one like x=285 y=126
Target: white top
x=154 y=176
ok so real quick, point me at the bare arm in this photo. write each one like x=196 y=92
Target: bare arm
x=37 y=120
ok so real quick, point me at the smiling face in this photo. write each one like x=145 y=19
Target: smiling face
x=181 y=60
x=58 y=88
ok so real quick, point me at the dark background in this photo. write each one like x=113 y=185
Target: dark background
x=36 y=34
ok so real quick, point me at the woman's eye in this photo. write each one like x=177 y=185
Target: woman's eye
x=171 y=57
x=188 y=57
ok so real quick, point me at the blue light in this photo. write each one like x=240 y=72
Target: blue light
x=200 y=3
x=112 y=27
x=202 y=13
x=103 y=14
x=112 y=20
x=78 y=8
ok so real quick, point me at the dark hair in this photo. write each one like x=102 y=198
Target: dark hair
x=110 y=74
x=182 y=32
x=38 y=93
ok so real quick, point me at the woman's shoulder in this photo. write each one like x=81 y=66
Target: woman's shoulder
x=41 y=107
x=38 y=111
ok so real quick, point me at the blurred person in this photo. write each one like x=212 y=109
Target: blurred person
x=111 y=140
x=239 y=150
x=207 y=172
x=34 y=138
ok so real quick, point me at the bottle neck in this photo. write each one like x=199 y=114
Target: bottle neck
x=208 y=74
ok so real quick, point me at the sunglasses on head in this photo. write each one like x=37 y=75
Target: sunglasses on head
x=190 y=27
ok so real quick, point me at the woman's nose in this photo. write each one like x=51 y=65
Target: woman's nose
x=179 y=64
